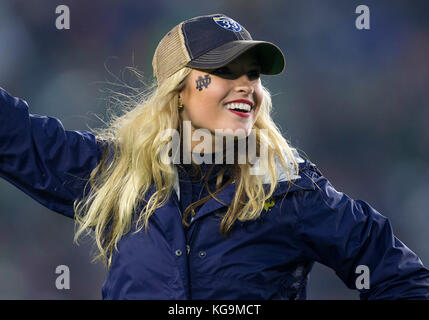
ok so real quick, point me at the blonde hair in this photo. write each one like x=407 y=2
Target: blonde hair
x=119 y=185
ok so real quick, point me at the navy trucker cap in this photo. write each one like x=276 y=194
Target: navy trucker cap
x=209 y=42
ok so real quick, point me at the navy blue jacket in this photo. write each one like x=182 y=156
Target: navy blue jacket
x=268 y=258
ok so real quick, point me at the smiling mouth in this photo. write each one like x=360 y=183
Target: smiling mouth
x=239 y=107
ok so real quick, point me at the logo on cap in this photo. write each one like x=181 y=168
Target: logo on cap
x=227 y=23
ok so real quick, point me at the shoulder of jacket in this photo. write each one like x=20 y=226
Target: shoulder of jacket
x=305 y=167
x=306 y=179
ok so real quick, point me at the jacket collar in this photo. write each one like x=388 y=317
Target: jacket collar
x=302 y=181
x=283 y=186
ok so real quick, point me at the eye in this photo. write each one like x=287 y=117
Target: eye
x=253 y=74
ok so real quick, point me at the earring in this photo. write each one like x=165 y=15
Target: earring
x=180 y=104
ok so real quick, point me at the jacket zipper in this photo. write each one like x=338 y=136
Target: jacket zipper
x=188 y=245
x=176 y=201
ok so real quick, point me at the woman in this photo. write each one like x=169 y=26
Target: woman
x=239 y=224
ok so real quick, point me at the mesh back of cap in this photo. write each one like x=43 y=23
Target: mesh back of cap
x=170 y=55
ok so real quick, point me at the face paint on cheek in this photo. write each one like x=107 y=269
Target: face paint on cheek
x=203 y=82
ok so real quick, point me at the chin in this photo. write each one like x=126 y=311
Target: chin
x=241 y=130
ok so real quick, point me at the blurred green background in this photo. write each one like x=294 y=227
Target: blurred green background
x=355 y=101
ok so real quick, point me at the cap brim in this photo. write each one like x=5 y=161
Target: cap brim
x=270 y=57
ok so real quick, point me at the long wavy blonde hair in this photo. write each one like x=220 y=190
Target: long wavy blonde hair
x=132 y=166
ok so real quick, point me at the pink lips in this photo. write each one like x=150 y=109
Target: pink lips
x=241 y=114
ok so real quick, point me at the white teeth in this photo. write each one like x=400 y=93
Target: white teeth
x=241 y=106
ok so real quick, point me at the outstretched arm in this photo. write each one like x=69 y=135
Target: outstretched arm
x=344 y=234
x=41 y=158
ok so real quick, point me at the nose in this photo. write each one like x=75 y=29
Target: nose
x=243 y=84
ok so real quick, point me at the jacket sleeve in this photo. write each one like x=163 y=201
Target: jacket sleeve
x=344 y=234
x=41 y=158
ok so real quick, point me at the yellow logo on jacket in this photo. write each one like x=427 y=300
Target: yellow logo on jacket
x=269 y=203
